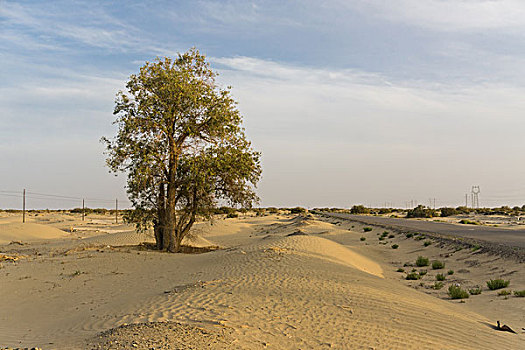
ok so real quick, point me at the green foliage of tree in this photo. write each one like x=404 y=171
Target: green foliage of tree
x=181 y=143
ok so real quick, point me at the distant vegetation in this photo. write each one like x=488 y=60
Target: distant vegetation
x=421 y=212
x=359 y=209
x=497 y=284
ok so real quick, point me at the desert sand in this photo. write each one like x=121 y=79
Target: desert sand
x=277 y=282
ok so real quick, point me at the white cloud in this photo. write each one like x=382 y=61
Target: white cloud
x=361 y=137
x=449 y=15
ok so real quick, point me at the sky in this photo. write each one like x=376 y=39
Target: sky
x=376 y=102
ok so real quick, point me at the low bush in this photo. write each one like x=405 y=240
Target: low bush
x=440 y=277
x=450 y=272
x=409 y=235
x=421 y=261
x=519 y=293
x=504 y=292
x=421 y=212
x=438 y=285
x=232 y=215
x=395 y=246
x=413 y=276
x=297 y=210
x=367 y=229
x=456 y=292
x=400 y=269
x=468 y=222
x=448 y=212
x=497 y=284
x=475 y=291
x=427 y=243
x=381 y=238
x=436 y=265
x=359 y=209
x=422 y=273
x=391 y=236
x=363 y=238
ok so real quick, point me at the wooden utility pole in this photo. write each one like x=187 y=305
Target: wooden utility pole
x=83 y=210
x=24 y=207
x=116 y=211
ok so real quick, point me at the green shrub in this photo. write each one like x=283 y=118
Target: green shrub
x=436 y=265
x=391 y=236
x=475 y=291
x=497 y=284
x=297 y=210
x=438 y=285
x=504 y=292
x=468 y=222
x=400 y=269
x=395 y=246
x=413 y=276
x=448 y=212
x=440 y=277
x=422 y=273
x=359 y=209
x=450 y=272
x=427 y=243
x=232 y=215
x=367 y=229
x=455 y=292
x=381 y=238
x=476 y=247
x=363 y=238
x=519 y=293
x=421 y=261
x=421 y=212
x=409 y=235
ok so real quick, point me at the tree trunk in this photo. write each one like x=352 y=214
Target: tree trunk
x=171 y=219
x=161 y=218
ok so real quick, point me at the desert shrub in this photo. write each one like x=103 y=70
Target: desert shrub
x=381 y=238
x=422 y=273
x=448 y=212
x=456 y=292
x=297 y=210
x=427 y=243
x=395 y=246
x=359 y=209
x=504 y=292
x=497 y=284
x=438 y=285
x=469 y=222
x=413 y=276
x=436 y=265
x=421 y=261
x=519 y=293
x=391 y=236
x=409 y=235
x=450 y=272
x=367 y=229
x=363 y=238
x=232 y=215
x=421 y=212
x=475 y=291
x=440 y=277
x=400 y=269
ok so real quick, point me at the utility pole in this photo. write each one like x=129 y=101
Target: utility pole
x=83 y=209
x=24 y=207
x=116 y=211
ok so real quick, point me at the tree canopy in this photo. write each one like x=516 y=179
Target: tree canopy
x=182 y=145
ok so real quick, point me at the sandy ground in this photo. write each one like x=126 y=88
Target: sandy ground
x=279 y=282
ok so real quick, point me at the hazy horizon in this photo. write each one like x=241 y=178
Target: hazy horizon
x=350 y=102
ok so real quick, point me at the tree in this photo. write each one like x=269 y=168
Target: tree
x=181 y=143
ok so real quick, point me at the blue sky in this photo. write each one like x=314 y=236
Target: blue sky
x=349 y=101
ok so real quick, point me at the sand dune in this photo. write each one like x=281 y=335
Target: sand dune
x=265 y=289
x=28 y=232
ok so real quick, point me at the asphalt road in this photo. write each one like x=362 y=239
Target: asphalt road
x=509 y=237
